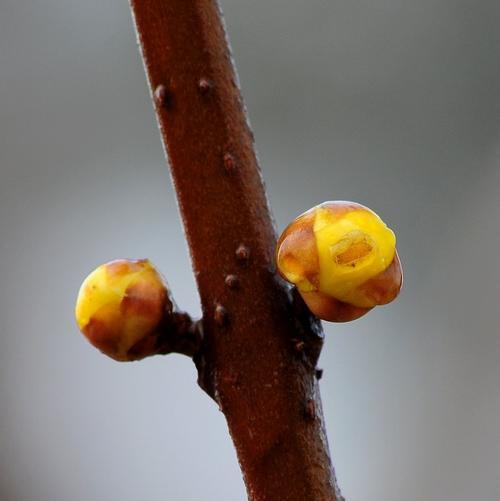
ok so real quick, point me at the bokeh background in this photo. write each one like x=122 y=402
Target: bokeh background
x=392 y=103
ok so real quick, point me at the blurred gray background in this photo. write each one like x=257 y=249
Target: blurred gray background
x=392 y=103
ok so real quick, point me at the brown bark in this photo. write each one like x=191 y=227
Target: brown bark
x=260 y=343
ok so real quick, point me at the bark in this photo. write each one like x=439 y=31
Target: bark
x=260 y=344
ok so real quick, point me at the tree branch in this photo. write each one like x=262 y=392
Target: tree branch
x=260 y=344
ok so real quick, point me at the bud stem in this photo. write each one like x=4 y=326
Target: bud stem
x=181 y=335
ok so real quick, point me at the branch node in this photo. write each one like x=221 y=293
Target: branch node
x=220 y=316
x=243 y=254
x=163 y=96
x=298 y=345
x=232 y=281
x=310 y=410
x=229 y=163
x=204 y=86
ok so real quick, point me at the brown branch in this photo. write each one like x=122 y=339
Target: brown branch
x=260 y=344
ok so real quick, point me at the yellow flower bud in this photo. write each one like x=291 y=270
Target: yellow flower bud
x=121 y=306
x=342 y=258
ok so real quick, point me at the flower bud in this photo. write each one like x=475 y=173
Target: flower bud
x=342 y=258
x=121 y=307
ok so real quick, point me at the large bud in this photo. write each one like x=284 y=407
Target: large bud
x=121 y=308
x=342 y=258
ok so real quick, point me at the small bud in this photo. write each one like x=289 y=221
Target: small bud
x=121 y=306
x=342 y=258
x=232 y=281
x=204 y=86
x=243 y=254
x=310 y=410
x=163 y=96
x=220 y=315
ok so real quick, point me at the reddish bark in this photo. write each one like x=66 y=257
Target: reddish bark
x=260 y=343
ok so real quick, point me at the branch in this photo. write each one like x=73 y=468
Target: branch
x=260 y=344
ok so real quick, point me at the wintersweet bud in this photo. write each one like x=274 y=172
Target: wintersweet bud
x=342 y=258
x=121 y=308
